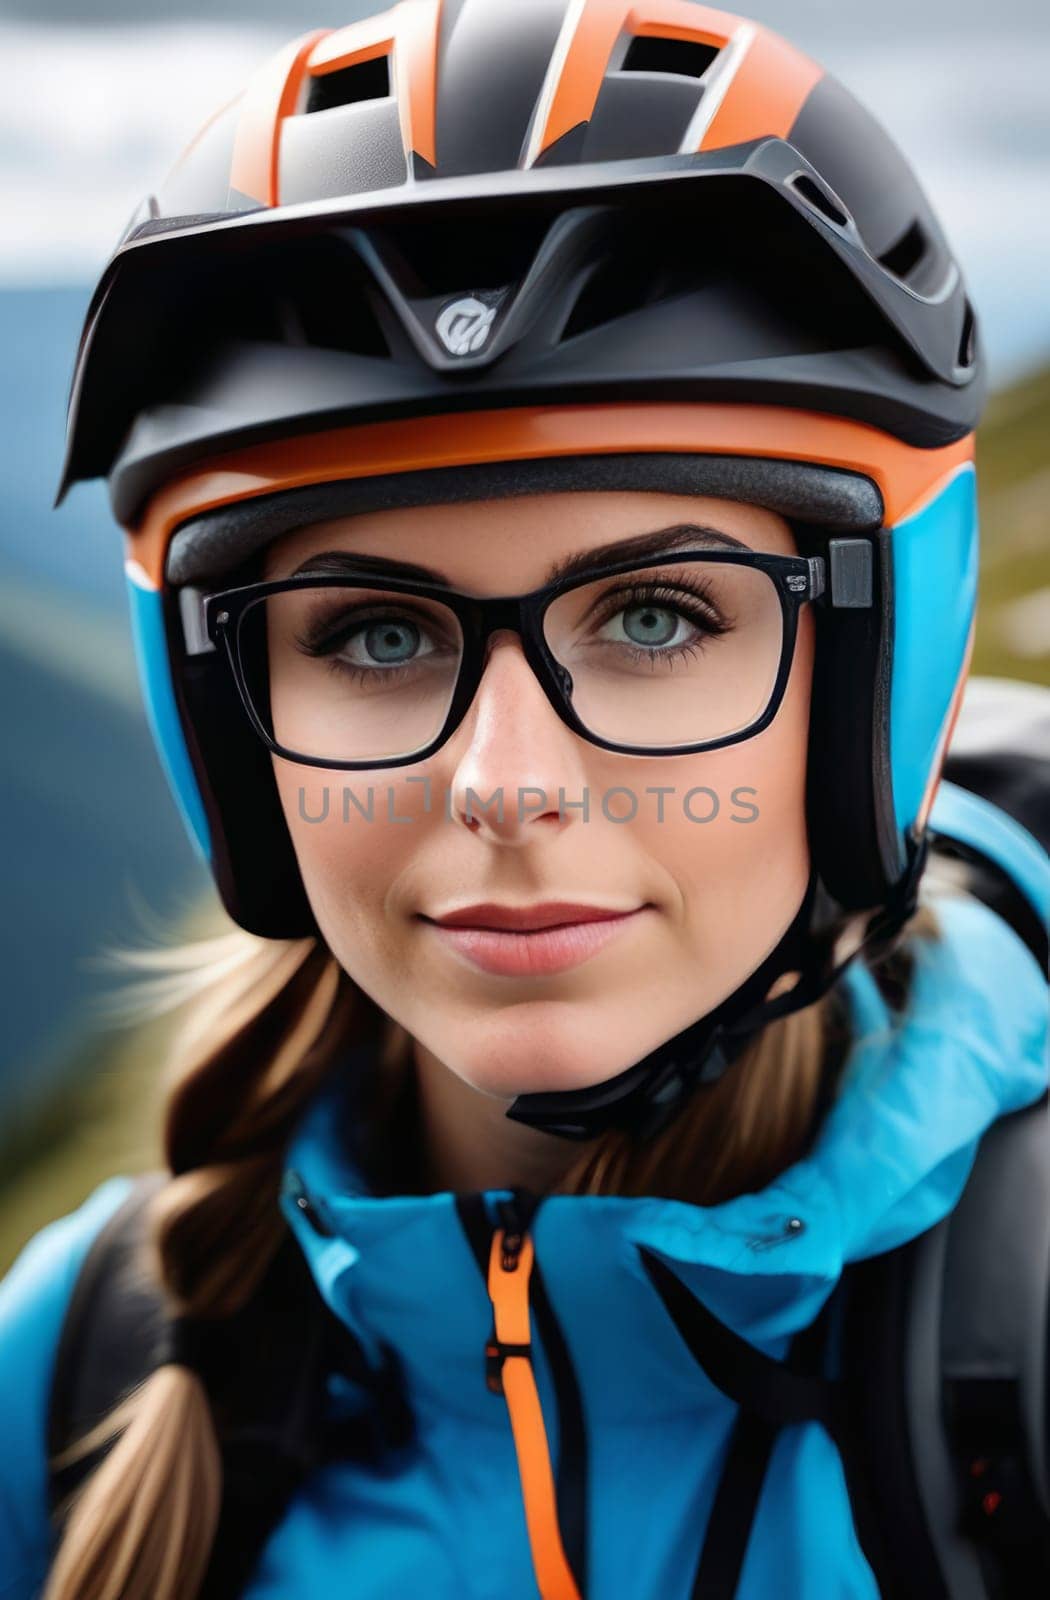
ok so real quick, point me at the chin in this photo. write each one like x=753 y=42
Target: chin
x=555 y=1052
x=509 y=1084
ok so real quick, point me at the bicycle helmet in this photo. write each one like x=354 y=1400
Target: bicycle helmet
x=464 y=249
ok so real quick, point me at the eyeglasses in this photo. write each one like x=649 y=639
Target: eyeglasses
x=667 y=656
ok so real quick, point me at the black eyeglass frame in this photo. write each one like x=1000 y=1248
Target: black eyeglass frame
x=797 y=579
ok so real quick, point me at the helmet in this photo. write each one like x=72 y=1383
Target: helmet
x=462 y=249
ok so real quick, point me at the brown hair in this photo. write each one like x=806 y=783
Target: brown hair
x=266 y=1020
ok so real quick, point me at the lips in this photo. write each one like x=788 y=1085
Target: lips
x=531 y=941
x=528 y=919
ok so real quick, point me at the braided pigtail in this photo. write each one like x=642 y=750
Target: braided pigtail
x=250 y=1055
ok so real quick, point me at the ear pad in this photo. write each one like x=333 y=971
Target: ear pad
x=252 y=855
x=848 y=796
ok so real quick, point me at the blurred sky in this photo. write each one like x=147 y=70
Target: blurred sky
x=101 y=94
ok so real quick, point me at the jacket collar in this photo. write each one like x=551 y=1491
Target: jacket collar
x=890 y=1161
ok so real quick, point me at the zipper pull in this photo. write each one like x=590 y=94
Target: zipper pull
x=513 y=1236
x=510 y=1306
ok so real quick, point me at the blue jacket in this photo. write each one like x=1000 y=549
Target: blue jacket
x=445 y=1515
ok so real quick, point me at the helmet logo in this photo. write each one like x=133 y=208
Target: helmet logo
x=464 y=326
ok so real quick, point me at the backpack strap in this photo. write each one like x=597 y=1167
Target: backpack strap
x=944 y=1357
x=995 y=1356
x=992 y=810
x=1009 y=867
x=111 y=1339
x=1000 y=749
x=266 y=1371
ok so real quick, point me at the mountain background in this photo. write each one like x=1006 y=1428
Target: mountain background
x=100 y=98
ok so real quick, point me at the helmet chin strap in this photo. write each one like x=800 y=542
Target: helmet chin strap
x=645 y=1097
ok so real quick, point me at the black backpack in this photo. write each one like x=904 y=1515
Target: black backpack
x=930 y=1363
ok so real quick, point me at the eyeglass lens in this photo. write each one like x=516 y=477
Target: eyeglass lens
x=680 y=653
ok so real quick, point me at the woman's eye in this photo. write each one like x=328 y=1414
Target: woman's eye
x=660 y=620
x=368 y=642
x=655 y=626
x=391 y=642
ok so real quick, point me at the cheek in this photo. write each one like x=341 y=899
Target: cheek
x=737 y=847
x=355 y=836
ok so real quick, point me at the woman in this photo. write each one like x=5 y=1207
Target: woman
x=546 y=459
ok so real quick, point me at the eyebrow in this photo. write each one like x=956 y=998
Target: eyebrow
x=665 y=541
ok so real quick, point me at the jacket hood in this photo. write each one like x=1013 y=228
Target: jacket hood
x=891 y=1159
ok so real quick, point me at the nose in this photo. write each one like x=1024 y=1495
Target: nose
x=518 y=766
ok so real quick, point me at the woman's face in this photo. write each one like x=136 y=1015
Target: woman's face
x=707 y=883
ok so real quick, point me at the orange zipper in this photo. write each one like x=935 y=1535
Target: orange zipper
x=508 y=1367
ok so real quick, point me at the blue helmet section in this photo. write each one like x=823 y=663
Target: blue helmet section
x=934 y=599
x=151 y=652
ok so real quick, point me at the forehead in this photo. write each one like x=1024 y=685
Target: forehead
x=509 y=544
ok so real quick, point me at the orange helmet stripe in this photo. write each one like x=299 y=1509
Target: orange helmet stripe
x=905 y=475
x=768 y=90
x=415 y=62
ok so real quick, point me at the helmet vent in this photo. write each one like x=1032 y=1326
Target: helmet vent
x=818 y=198
x=903 y=257
x=311 y=297
x=617 y=286
x=682 y=58
x=431 y=259
x=968 y=337
x=363 y=80
x=338 y=317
